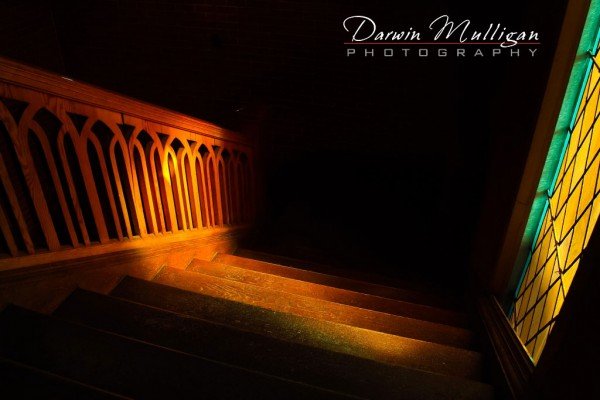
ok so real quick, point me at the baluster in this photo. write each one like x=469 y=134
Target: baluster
x=33 y=182
x=156 y=170
x=92 y=138
x=10 y=125
x=145 y=188
x=185 y=170
x=53 y=169
x=62 y=136
x=86 y=172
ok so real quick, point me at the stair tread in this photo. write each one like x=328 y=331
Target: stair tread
x=364 y=343
x=328 y=293
x=354 y=274
x=315 y=308
x=341 y=282
x=319 y=367
x=131 y=367
x=25 y=382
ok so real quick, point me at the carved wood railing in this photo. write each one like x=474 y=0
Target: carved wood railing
x=81 y=166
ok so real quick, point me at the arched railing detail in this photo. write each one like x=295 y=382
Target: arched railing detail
x=80 y=167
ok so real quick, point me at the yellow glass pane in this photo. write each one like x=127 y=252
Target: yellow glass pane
x=589 y=185
x=558 y=222
x=553 y=295
x=564 y=193
x=535 y=288
x=535 y=320
x=567 y=179
x=594 y=147
x=563 y=250
x=547 y=246
x=571 y=208
x=578 y=238
x=523 y=309
x=581 y=157
x=526 y=326
x=534 y=262
x=554 y=206
x=540 y=342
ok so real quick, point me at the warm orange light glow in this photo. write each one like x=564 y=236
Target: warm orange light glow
x=131 y=171
x=327 y=325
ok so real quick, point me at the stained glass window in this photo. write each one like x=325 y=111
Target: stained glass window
x=571 y=210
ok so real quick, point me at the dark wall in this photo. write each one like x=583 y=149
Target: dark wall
x=372 y=162
x=28 y=33
x=511 y=118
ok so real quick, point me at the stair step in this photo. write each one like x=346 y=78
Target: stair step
x=133 y=368
x=315 y=308
x=354 y=274
x=364 y=343
x=322 y=368
x=25 y=382
x=328 y=293
x=413 y=296
x=335 y=371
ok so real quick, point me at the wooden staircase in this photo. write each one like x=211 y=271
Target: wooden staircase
x=250 y=325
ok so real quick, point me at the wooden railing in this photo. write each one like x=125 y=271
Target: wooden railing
x=81 y=166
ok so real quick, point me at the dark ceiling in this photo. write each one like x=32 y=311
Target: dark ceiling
x=394 y=164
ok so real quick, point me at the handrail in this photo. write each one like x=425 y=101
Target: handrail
x=81 y=166
x=61 y=86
